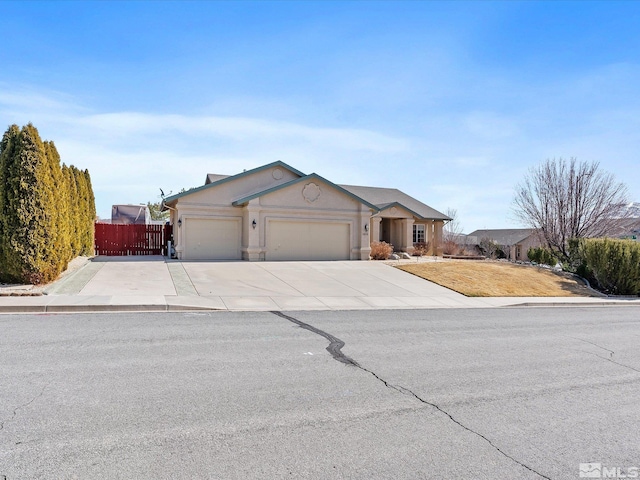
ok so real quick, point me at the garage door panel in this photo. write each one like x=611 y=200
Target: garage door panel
x=308 y=241
x=212 y=239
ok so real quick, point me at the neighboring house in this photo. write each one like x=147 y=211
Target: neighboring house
x=630 y=229
x=514 y=242
x=130 y=214
x=276 y=212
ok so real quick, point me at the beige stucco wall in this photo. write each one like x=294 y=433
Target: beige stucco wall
x=234 y=189
x=312 y=201
x=401 y=230
x=305 y=201
x=214 y=201
x=399 y=221
x=395 y=212
x=529 y=242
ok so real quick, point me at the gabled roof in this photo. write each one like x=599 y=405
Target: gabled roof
x=214 y=177
x=223 y=179
x=306 y=178
x=385 y=197
x=398 y=204
x=507 y=236
x=374 y=197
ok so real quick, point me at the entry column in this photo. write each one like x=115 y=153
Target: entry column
x=375 y=229
x=429 y=238
x=407 y=235
x=252 y=227
x=437 y=237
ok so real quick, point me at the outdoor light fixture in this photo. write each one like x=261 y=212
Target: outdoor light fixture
x=366 y=227
x=253 y=224
x=180 y=222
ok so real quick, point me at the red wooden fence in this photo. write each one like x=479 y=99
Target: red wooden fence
x=120 y=240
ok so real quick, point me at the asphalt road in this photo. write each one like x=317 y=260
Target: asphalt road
x=519 y=393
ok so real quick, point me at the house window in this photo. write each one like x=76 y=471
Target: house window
x=418 y=234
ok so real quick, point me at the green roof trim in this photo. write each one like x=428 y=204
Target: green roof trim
x=278 y=163
x=313 y=176
x=398 y=204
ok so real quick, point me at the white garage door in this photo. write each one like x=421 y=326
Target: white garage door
x=207 y=239
x=307 y=241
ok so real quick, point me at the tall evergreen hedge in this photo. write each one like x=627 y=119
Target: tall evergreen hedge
x=614 y=264
x=46 y=219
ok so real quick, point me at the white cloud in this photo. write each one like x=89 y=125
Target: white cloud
x=465 y=159
x=238 y=129
x=130 y=155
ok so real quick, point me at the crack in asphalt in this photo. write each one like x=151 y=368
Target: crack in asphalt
x=335 y=344
x=15 y=410
x=22 y=442
x=335 y=349
x=612 y=361
x=611 y=352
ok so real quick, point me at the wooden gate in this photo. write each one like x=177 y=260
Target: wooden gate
x=120 y=240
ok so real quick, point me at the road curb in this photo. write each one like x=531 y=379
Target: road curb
x=102 y=308
x=574 y=304
x=23 y=308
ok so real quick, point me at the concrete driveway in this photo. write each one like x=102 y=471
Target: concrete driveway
x=256 y=285
x=153 y=283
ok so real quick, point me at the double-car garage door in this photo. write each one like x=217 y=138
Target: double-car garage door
x=220 y=239
x=289 y=240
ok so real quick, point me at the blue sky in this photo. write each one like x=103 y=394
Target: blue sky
x=451 y=102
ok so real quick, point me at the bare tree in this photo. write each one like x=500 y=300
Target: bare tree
x=452 y=234
x=489 y=248
x=570 y=199
x=452 y=229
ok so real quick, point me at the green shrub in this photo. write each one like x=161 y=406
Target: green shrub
x=381 y=250
x=542 y=255
x=576 y=262
x=613 y=264
x=28 y=209
x=46 y=211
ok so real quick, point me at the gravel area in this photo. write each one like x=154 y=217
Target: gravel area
x=7 y=289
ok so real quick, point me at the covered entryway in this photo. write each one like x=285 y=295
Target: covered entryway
x=291 y=240
x=212 y=239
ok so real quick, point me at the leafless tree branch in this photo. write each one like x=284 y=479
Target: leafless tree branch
x=452 y=229
x=570 y=199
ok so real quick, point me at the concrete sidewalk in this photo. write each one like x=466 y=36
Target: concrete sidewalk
x=156 y=284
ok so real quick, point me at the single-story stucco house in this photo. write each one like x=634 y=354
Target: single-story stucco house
x=276 y=212
x=514 y=242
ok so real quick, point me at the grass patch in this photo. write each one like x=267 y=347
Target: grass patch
x=497 y=279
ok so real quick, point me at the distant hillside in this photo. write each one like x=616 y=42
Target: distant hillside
x=631 y=210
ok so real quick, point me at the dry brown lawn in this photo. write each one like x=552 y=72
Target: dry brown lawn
x=497 y=279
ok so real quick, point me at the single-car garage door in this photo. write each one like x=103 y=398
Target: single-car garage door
x=307 y=241
x=212 y=239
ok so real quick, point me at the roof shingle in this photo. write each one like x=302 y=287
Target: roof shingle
x=381 y=197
